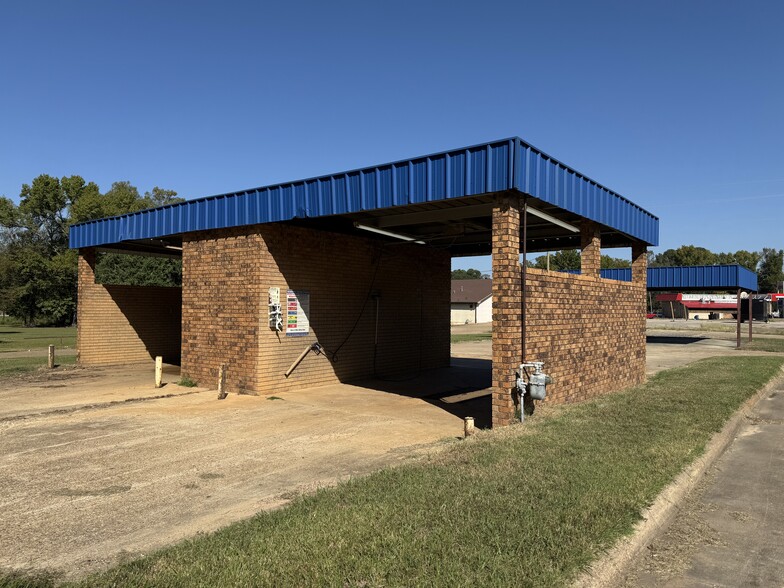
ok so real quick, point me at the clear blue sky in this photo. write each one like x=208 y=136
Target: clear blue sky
x=675 y=104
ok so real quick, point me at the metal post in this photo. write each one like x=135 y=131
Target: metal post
x=750 y=317
x=523 y=297
x=737 y=335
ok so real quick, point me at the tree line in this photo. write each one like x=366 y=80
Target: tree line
x=37 y=270
x=768 y=263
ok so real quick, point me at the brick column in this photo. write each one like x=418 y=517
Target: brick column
x=640 y=263
x=85 y=279
x=507 y=309
x=591 y=244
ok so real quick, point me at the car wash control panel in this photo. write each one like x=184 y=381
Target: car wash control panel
x=275 y=312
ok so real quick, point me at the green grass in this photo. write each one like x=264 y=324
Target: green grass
x=186 y=382
x=464 y=337
x=773 y=345
x=24 y=338
x=530 y=505
x=714 y=327
x=20 y=365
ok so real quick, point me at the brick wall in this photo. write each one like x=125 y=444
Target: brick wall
x=507 y=312
x=593 y=345
x=226 y=277
x=122 y=324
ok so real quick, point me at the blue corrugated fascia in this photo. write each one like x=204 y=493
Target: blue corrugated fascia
x=469 y=171
x=707 y=277
x=547 y=179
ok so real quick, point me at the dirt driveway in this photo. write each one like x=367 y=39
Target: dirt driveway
x=90 y=474
x=87 y=486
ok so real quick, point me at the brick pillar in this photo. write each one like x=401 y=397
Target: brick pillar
x=507 y=309
x=591 y=244
x=640 y=263
x=85 y=278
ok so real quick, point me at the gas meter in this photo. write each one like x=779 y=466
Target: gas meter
x=534 y=384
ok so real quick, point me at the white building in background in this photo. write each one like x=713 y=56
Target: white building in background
x=472 y=301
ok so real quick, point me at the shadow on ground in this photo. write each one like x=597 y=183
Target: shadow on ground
x=463 y=389
x=665 y=340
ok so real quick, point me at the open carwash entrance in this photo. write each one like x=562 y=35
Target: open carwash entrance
x=325 y=236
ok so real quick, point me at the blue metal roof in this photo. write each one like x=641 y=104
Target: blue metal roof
x=702 y=277
x=509 y=164
x=698 y=277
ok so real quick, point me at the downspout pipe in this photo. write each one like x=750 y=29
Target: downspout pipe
x=523 y=276
x=523 y=299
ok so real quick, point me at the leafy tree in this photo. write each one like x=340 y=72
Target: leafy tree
x=42 y=211
x=160 y=197
x=771 y=271
x=138 y=270
x=685 y=255
x=748 y=259
x=38 y=271
x=568 y=259
x=608 y=262
x=469 y=274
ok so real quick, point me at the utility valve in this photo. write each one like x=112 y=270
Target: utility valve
x=534 y=384
x=275 y=312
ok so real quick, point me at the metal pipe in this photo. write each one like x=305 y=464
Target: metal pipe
x=751 y=320
x=315 y=347
x=737 y=334
x=523 y=300
x=523 y=297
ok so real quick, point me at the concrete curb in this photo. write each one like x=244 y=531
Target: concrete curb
x=611 y=569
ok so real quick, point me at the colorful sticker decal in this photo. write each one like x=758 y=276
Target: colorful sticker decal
x=297 y=311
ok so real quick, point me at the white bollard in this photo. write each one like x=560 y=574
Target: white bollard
x=469 y=426
x=158 y=371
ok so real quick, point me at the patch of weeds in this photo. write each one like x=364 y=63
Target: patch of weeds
x=767 y=344
x=187 y=382
x=40 y=579
x=468 y=337
x=210 y=476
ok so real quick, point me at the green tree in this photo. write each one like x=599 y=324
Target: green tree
x=608 y=262
x=467 y=274
x=568 y=259
x=771 y=270
x=42 y=210
x=685 y=255
x=38 y=271
x=160 y=197
x=748 y=259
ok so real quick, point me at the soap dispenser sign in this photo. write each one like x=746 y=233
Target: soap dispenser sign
x=297 y=312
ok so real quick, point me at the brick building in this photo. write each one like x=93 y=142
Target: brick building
x=360 y=263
